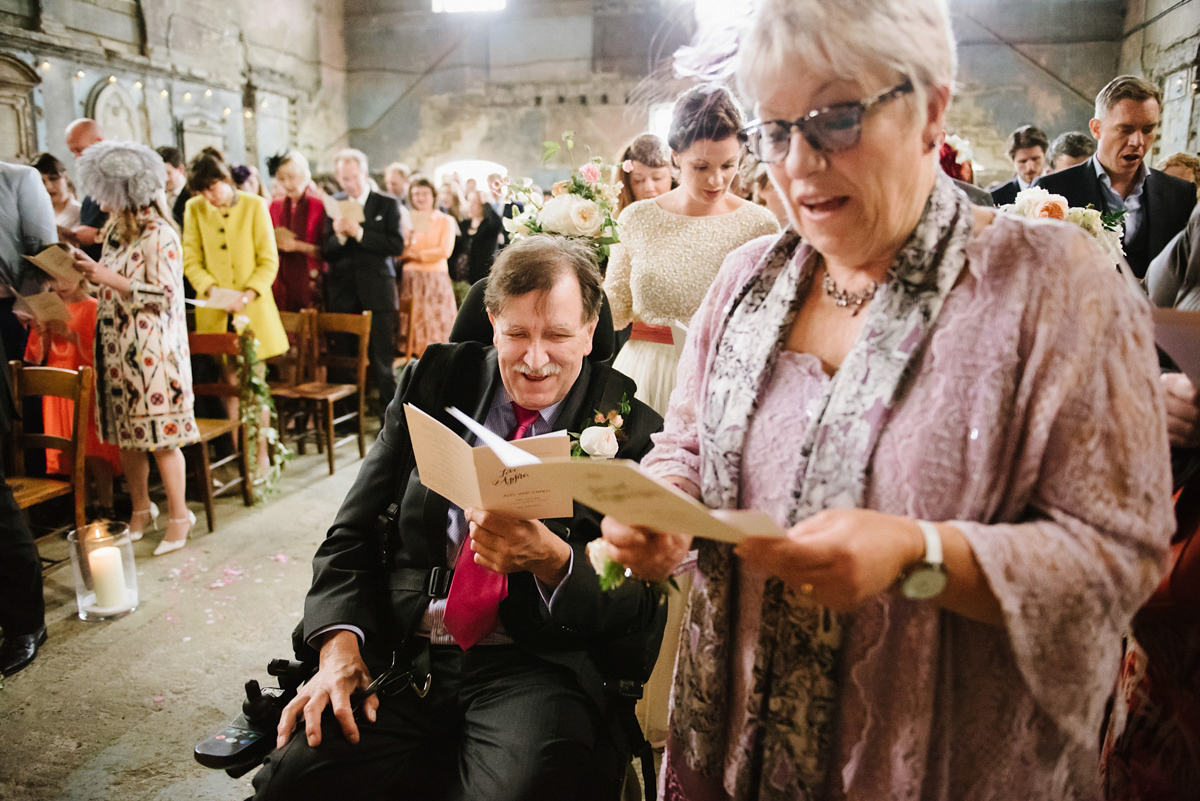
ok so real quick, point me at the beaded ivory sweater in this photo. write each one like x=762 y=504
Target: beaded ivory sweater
x=665 y=262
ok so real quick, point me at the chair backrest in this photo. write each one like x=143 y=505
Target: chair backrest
x=358 y=325
x=215 y=345
x=298 y=364
x=73 y=385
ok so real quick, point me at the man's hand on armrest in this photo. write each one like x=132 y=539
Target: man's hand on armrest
x=508 y=545
x=341 y=672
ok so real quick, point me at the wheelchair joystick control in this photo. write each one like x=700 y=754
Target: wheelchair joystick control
x=243 y=744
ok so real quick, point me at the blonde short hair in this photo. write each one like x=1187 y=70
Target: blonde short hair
x=855 y=39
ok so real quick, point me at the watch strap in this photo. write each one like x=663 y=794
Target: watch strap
x=933 y=542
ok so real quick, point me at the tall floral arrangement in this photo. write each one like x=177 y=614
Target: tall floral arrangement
x=581 y=207
x=255 y=403
x=1105 y=227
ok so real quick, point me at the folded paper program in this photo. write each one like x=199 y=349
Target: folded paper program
x=618 y=488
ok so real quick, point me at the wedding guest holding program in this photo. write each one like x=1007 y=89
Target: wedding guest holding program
x=362 y=276
x=671 y=247
x=228 y=242
x=672 y=244
x=143 y=373
x=954 y=414
x=426 y=275
x=299 y=219
x=71 y=345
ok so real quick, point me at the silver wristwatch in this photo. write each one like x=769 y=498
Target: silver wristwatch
x=927 y=578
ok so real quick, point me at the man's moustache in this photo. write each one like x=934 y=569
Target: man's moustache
x=541 y=372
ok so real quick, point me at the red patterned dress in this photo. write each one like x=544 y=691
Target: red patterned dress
x=144 y=377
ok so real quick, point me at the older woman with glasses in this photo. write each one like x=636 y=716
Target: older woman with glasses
x=955 y=417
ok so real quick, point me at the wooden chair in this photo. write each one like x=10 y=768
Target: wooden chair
x=296 y=366
x=323 y=394
x=218 y=345
x=75 y=386
x=406 y=321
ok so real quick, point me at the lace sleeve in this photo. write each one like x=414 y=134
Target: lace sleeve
x=1070 y=580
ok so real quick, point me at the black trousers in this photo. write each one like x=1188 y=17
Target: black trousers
x=22 y=608
x=497 y=725
x=381 y=351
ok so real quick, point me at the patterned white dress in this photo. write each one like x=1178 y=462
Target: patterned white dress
x=143 y=372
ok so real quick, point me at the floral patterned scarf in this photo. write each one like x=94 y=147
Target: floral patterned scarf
x=784 y=751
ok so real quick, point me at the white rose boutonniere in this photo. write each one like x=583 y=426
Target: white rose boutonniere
x=602 y=439
x=599 y=442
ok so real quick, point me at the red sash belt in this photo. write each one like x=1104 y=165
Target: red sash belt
x=644 y=332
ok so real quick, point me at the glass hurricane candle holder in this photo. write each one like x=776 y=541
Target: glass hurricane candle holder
x=105 y=574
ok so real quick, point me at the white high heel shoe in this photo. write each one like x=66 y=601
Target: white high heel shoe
x=169 y=546
x=134 y=536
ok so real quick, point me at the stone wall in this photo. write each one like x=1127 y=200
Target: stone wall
x=429 y=88
x=1029 y=61
x=186 y=72
x=1162 y=43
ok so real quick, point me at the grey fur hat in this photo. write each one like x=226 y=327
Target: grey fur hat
x=122 y=175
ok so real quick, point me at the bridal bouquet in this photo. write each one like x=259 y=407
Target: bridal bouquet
x=581 y=207
x=1105 y=227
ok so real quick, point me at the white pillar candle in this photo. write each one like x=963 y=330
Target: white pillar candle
x=108 y=577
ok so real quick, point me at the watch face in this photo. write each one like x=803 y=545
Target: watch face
x=924 y=582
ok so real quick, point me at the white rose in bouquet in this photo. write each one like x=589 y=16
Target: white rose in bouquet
x=599 y=442
x=1087 y=219
x=1036 y=202
x=586 y=217
x=556 y=216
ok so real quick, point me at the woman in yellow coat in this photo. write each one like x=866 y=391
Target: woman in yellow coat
x=228 y=242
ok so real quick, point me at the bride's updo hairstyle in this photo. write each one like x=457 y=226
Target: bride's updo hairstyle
x=705 y=112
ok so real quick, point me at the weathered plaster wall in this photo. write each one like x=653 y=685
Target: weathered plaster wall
x=430 y=88
x=252 y=76
x=1162 y=43
x=1029 y=61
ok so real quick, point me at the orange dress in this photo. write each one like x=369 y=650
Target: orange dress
x=426 y=279
x=58 y=413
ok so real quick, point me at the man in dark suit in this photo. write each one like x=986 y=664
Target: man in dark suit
x=1116 y=178
x=80 y=135
x=525 y=706
x=22 y=609
x=362 y=274
x=1027 y=151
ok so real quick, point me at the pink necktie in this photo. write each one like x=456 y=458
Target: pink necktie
x=473 y=603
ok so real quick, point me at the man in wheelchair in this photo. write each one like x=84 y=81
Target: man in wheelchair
x=436 y=680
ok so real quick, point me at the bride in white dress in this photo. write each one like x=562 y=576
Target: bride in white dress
x=672 y=245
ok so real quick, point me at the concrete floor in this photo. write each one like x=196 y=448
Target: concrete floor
x=112 y=710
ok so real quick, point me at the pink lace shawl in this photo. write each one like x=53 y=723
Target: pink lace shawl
x=1035 y=424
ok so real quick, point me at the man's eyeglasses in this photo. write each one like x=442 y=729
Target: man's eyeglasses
x=832 y=129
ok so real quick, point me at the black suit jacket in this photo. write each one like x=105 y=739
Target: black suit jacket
x=599 y=636
x=1166 y=203
x=480 y=249
x=362 y=275
x=1006 y=193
